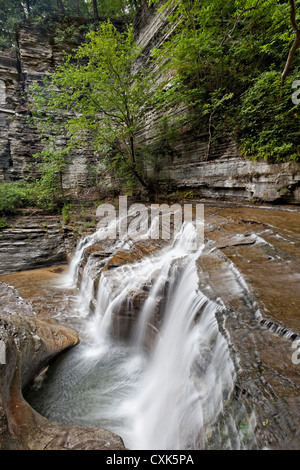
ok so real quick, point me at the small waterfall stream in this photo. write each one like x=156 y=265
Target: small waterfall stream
x=175 y=395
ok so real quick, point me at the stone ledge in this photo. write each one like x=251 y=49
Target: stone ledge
x=30 y=344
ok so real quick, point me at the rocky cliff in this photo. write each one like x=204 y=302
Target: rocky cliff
x=224 y=175
x=32 y=242
x=38 y=55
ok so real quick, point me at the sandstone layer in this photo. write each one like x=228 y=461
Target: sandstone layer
x=29 y=344
x=222 y=175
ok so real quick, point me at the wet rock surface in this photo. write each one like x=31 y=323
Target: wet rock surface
x=31 y=343
x=250 y=267
x=32 y=242
x=258 y=284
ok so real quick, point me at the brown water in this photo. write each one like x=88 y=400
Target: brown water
x=252 y=263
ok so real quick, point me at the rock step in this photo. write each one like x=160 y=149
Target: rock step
x=34 y=242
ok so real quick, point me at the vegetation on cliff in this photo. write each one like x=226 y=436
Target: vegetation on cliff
x=101 y=101
x=14 y=12
x=233 y=65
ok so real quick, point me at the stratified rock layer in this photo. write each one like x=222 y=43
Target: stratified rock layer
x=30 y=344
x=222 y=175
x=38 y=56
x=32 y=242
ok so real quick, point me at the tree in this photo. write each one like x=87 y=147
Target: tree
x=60 y=6
x=296 y=42
x=11 y=12
x=14 y=12
x=103 y=99
x=95 y=8
x=219 y=57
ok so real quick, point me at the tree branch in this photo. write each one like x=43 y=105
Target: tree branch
x=237 y=20
x=107 y=113
x=95 y=8
x=295 y=44
x=209 y=133
x=132 y=168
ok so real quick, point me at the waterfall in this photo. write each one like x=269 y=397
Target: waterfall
x=190 y=372
x=178 y=395
x=125 y=280
x=71 y=278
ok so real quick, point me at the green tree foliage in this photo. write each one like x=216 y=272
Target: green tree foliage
x=13 y=12
x=100 y=98
x=16 y=195
x=52 y=161
x=226 y=59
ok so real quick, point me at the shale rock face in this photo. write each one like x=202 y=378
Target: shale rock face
x=235 y=178
x=27 y=345
x=224 y=175
x=38 y=56
x=33 y=242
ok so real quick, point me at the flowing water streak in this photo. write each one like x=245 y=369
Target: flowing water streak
x=126 y=280
x=86 y=292
x=103 y=233
x=71 y=277
x=191 y=372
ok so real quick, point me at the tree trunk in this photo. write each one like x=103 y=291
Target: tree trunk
x=22 y=10
x=294 y=46
x=60 y=6
x=78 y=7
x=133 y=167
x=28 y=6
x=95 y=7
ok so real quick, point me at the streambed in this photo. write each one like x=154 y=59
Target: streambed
x=220 y=375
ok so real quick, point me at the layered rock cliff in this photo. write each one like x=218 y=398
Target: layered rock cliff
x=224 y=175
x=32 y=242
x=38 y=55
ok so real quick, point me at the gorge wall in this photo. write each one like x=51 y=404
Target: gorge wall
x=224 y=175
x=34 y=241
x=38 y=55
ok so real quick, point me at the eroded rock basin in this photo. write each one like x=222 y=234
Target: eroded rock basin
x=250 y=266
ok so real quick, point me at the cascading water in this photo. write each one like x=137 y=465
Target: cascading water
x=173 y=403
x=177 y=396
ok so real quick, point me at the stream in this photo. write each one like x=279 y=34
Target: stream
x=179 y=348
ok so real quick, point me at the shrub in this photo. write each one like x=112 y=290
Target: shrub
x=3 y=223
x=16 y=195
x=270 y=123
x=66 y=213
